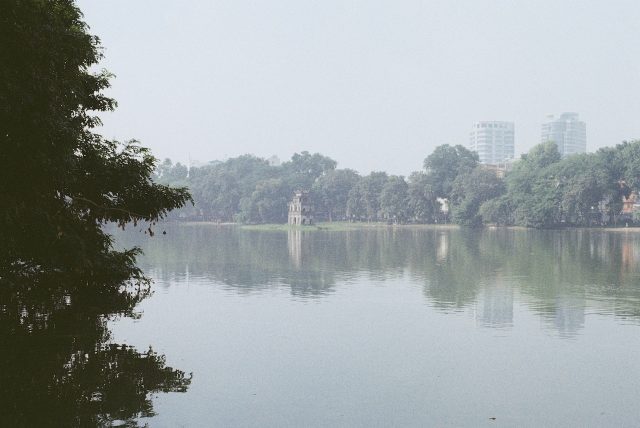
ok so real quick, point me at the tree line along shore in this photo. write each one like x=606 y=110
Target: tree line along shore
x=541 y=189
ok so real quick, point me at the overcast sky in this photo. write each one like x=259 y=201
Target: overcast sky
x=376 y=85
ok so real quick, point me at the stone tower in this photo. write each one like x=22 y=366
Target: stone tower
x=300 y=209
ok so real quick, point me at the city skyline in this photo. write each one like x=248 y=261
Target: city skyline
x=567 y=131
x=498 y=145
x=493 y=141
x=350 y=80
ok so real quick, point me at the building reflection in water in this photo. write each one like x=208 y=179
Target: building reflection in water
x=628 y=257
x=494 y=305
x=294 y=245
x=568 y=317
x=442 y=246
x=557 y=275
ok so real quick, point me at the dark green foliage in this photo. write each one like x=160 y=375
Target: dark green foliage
x=59 y=366
x=623 y=161
x=583 y=185
x=245 y=188
x=60 y=182
x=219 y=188
x=541 y=190
x=364 y=198
x=544 y=190
x=534 y=188
x=266 y=204
x=331 y=192
x=445 y=164
x=470 y=191
x=393 y=200
x=169 y=174
x=422 y=203
x=542 y=155
x=304 y=169
x=499 y=211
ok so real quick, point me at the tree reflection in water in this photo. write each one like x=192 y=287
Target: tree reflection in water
x=59 y=366
x=558 y=274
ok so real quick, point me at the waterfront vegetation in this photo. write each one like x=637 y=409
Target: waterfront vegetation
x=541 y=189
x=61 y=181
x=65 y=281
x=61 y=280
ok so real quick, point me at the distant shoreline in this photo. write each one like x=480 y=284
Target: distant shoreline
x=346 y=226
x=327 y=226
x=634 y=229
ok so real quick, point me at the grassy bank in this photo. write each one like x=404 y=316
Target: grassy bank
x=346 y=226
x=336 y=226
x=339 y=226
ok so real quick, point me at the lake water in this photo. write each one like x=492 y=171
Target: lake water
x=393 y=326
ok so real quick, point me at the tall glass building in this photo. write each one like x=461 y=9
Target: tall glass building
x=567 y=131
x=493 y=141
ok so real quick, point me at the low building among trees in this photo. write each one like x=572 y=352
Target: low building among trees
x=300 y=209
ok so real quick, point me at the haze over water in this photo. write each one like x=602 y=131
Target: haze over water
x=415 y=326
x=375 y=85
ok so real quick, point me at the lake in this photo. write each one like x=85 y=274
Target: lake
x=384 y=326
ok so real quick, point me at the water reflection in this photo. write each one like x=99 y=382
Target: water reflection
x=558 y=275
x=374 y=326
x=568 y=316
x=59 y=366
x=494 y=306
x=294 y=244
x=443 y=247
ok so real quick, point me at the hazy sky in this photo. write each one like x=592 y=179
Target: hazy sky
x=375 y=85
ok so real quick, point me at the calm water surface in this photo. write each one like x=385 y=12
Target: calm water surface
x=393 y=326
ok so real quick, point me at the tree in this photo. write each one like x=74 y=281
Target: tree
x=445 y=164
x=331 y=191
x=421 y=198
x=583 y=183
x=304 y=168
x=356 y=209
x=393 y=199
x=498 y=211
x=219 y=188
x=364 y=198
x=533 y=188
x=60 y=278
x=170 y=174
x=610 y=161
x=267 y=203
x=541 y=156
x=470 y=191
x=60 y=181
x=218 y=194
x=626 y=158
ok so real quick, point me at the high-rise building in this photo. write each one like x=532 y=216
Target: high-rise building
x=493 y=141
x=567 y=131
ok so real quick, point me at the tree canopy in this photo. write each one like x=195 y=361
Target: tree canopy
x=61 y=181
x=539 y=190
x=60 y=184
x=446 y=163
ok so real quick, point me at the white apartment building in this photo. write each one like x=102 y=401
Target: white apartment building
x=567 y=131
x=493 y=141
